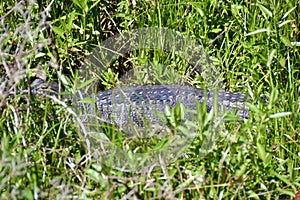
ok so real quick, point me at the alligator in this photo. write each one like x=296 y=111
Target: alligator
x=133 y=104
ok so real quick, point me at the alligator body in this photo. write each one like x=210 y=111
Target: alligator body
x=125 y=105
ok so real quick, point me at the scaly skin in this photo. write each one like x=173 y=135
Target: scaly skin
x=122 y=106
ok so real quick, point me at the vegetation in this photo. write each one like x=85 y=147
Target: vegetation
x=255 y=47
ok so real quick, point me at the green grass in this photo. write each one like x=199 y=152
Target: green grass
x=43 y=154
